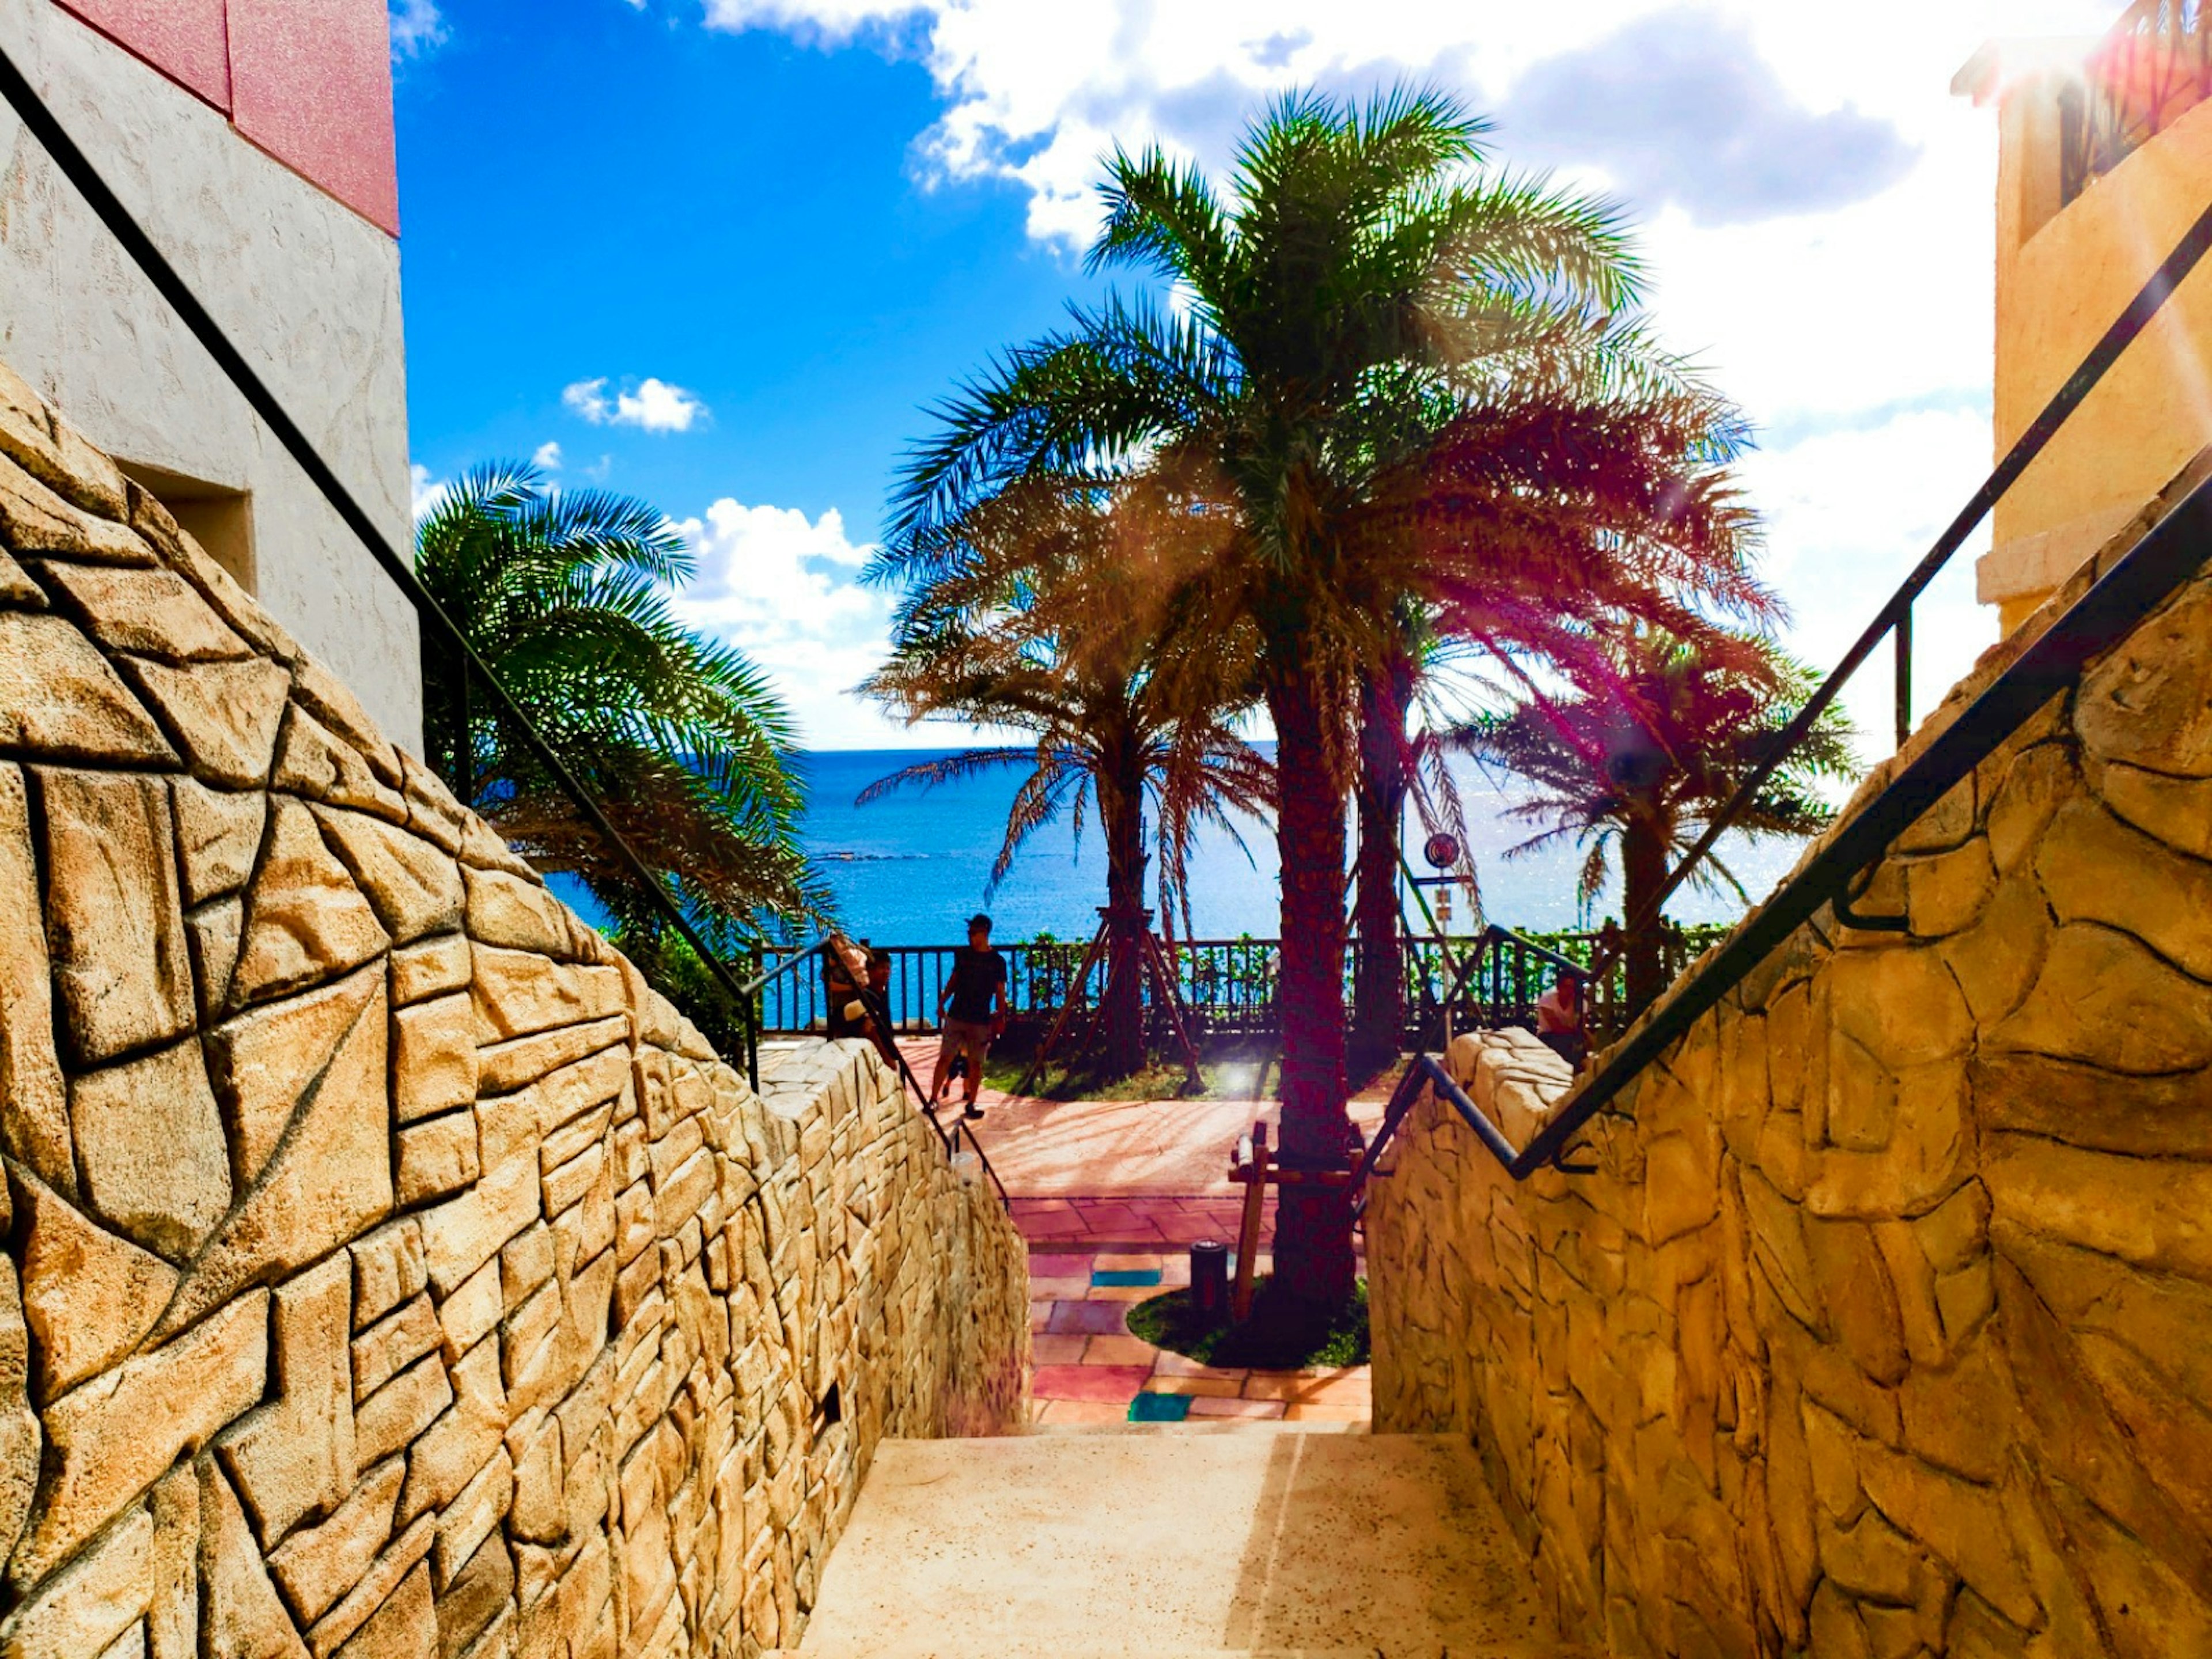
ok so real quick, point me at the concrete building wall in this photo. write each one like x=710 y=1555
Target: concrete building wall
x=306 y=285
x=2064 y=274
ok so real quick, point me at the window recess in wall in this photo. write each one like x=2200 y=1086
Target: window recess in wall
x=220 y=518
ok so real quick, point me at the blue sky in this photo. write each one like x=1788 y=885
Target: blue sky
x=721 y=254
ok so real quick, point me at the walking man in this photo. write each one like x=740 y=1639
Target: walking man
x=972 y=1012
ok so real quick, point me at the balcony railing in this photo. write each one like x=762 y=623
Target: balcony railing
x=1228 y=985
x=2152 y=69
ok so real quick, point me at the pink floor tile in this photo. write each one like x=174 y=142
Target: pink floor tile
x=1119 y=1350
x=1060 y=1287
x=1080 y=1411
x=1089 y=1318
x=1119 y=1382
x=1060 y=1264
x=1049 y=1348
x=1174 y=1364
x=1256 y=1409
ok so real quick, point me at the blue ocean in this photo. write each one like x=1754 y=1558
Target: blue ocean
x=908 y=868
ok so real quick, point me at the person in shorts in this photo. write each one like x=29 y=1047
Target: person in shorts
x=971 y=1011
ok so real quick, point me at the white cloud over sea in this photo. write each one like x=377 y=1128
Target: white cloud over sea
x=783 y=587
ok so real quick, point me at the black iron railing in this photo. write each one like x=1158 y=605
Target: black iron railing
x=2150 y=69
x=1895 y=617
x=476 y=674
x=2177 y=550
x=1228 y=986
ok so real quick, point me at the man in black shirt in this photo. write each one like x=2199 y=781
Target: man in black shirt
x=972 y=1010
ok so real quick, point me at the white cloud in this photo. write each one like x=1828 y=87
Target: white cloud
x=654 y=406
x=547 y=457
x=781 y=587
x=424 y=492
x=1815 y=207
x=418 y=28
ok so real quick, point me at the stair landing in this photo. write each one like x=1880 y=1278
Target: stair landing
x=1262 y=1537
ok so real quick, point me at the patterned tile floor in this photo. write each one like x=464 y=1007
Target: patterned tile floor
x=1089 y=1368
x=1110 y=1195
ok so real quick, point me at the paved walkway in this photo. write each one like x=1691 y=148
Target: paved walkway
x=1110 y=1195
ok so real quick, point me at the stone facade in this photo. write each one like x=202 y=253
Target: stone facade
x=390 y=1271
x=1884 y=1328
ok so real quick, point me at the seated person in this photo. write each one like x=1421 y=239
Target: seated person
x=1559 y=1018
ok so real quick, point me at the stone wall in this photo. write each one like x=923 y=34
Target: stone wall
x=389 y=1270
x=1884 y=1328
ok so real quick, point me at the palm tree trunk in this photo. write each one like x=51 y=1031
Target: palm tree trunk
x=1313 y=1224
x=1122 y=814
x=1644 y=870
x=1378 y=981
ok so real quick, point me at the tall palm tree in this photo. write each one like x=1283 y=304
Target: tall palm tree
x=1048 y=614
x=1394 y=377
x=686 y=745
x=1631 y=765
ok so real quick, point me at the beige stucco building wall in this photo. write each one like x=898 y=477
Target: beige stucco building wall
x=385 y=1268
x=307 y=288
x=1884 y=1325
x=2063 y=275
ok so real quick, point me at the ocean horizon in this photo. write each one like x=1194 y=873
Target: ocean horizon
x=910 y=868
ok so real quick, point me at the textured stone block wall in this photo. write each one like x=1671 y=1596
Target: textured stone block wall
x=389 y=1271
x=1886 y=1327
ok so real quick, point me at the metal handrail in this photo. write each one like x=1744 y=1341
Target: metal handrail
x=78 y=168
x=2177 y=549
x=1896 y=614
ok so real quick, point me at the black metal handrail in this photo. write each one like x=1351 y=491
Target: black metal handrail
x=1896 y=614
x=2175 y=551
x=79 y=170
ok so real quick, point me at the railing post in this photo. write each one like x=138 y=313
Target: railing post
x=1904 y=676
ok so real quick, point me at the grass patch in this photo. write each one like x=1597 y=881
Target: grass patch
x=1281 y=1335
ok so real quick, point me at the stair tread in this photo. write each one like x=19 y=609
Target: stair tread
x=1178 y=1543
x=1533 y=1649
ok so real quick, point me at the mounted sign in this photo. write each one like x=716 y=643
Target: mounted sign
x=1441 y=850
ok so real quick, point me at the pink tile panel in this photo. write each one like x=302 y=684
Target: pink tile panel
x=311 y=83
x=183 y=39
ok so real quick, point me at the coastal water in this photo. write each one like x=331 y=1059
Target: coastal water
x=909 y=868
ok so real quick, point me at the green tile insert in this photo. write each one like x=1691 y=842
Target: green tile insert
x=1140 y=1276
x=1159 y=1408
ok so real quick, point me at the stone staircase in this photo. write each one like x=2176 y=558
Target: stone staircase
x=1243 y=1539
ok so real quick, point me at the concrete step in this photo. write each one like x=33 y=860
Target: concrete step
x=1197 y=1425
x=1149 y=1539
x=1146 y=1650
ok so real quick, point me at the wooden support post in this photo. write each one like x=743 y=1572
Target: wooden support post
x=1163 y=988
x=1248 y=1234
x=1067 y=1010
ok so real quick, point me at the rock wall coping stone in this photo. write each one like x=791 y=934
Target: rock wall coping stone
x=389 y=1270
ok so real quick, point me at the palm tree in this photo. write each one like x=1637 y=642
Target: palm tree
x=1395 y=379
x=1633 y=765
x=564 y=594
x=1047 y=614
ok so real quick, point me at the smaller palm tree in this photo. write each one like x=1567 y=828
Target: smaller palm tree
x=1049 y=613
x=1633 y=763
x=687 y=747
